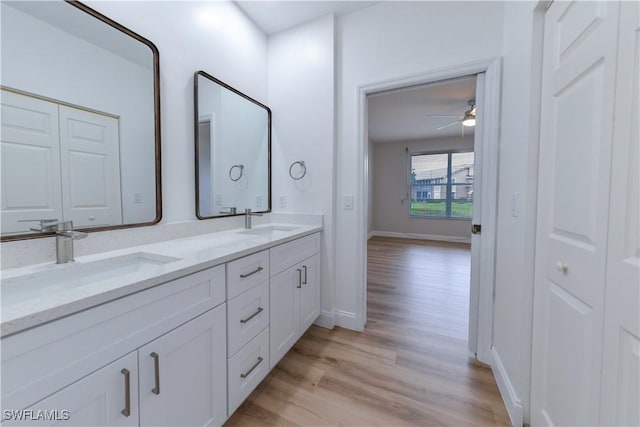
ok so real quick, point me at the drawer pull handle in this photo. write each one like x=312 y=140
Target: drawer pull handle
x=156 y=367
x=258 y=311
x=127 y=393
x=257 y=270
x=304 y=282
x=246 y=374
x=299 y=278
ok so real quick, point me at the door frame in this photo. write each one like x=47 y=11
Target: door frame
x=491 y=67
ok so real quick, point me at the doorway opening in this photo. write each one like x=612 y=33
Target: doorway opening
x=486 y=76
x=421 y=169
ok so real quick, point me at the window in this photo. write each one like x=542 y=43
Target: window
x=441 y=185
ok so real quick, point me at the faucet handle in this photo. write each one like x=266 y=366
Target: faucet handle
x=44 y=223
x=72 y=234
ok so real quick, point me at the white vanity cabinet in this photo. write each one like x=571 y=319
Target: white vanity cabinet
x=295 y=292
x=97 y=364
x=186 y=352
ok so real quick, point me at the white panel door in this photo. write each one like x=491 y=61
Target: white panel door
x=573 y=192
x=621 y=358
x=30 y=162
x=183 y=374
x=284 y=312
x=99 y=399
x=309 y=292
x=90 y=168
x=474 y=279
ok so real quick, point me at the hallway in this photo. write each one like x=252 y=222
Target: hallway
x=409 y=367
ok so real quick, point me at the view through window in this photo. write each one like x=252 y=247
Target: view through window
x=441 y=185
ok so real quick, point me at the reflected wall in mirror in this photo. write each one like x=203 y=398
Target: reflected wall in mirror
x=233 y=150
x=80 y=120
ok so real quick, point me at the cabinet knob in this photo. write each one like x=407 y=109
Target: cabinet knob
x=562 y=266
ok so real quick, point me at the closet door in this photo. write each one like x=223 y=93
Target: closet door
x=90 y=168
x=579 y=69
x=30 y=162
x=621 y=358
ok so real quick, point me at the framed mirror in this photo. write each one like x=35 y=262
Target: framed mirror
x=233 y=150
x=80 y=120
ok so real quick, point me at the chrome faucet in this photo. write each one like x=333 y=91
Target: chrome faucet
x=231 y=210
x=65 y=235
x=247 y=217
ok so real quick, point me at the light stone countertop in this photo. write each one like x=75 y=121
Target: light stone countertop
x=35 y=295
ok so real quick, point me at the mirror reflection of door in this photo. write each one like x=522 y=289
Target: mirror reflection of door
x=102 y=82
x=58 y=162
x=206 y=139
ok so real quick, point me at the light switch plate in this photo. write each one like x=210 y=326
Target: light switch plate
x=348 y=202
x=515 y=201
x=283 y=202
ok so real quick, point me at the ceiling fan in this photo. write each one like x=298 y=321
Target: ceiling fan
x=468 y=119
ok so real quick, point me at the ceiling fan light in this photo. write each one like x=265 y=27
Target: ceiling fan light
x=469 y=120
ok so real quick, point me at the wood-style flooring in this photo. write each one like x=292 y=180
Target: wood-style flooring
x=409 y=367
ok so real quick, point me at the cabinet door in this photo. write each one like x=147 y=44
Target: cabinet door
x=285 y=312
x=310 y=292
x=183 y=378
x=99 y=399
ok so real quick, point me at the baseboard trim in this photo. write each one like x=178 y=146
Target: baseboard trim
x=508 y=393
x=440 y=238
x=347 y=320
x=326 y=320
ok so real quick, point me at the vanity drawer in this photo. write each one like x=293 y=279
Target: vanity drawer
x=245 y=273
x=42 y=360
x=291 y=253
x=247 y=368
x=247 y=315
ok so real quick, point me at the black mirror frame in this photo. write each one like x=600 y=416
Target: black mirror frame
x=196 y=131
x=157 y=128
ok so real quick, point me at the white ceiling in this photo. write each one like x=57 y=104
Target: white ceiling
x=277 y=15
x=398 y=115
x=75 y=22
x=402 y=115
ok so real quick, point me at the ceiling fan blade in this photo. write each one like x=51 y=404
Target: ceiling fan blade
x=448 y=124
x=443 y=115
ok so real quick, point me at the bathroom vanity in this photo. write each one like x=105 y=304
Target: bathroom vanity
x=172 y=333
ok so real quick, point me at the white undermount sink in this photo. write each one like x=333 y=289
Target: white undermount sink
x=268 y=230
x=59 y=278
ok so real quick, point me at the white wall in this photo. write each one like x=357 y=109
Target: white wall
x=518 y=174
x=391 y=207
x=301 y=98
x=392 y=40
x=35 y=59
x=212 y=36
